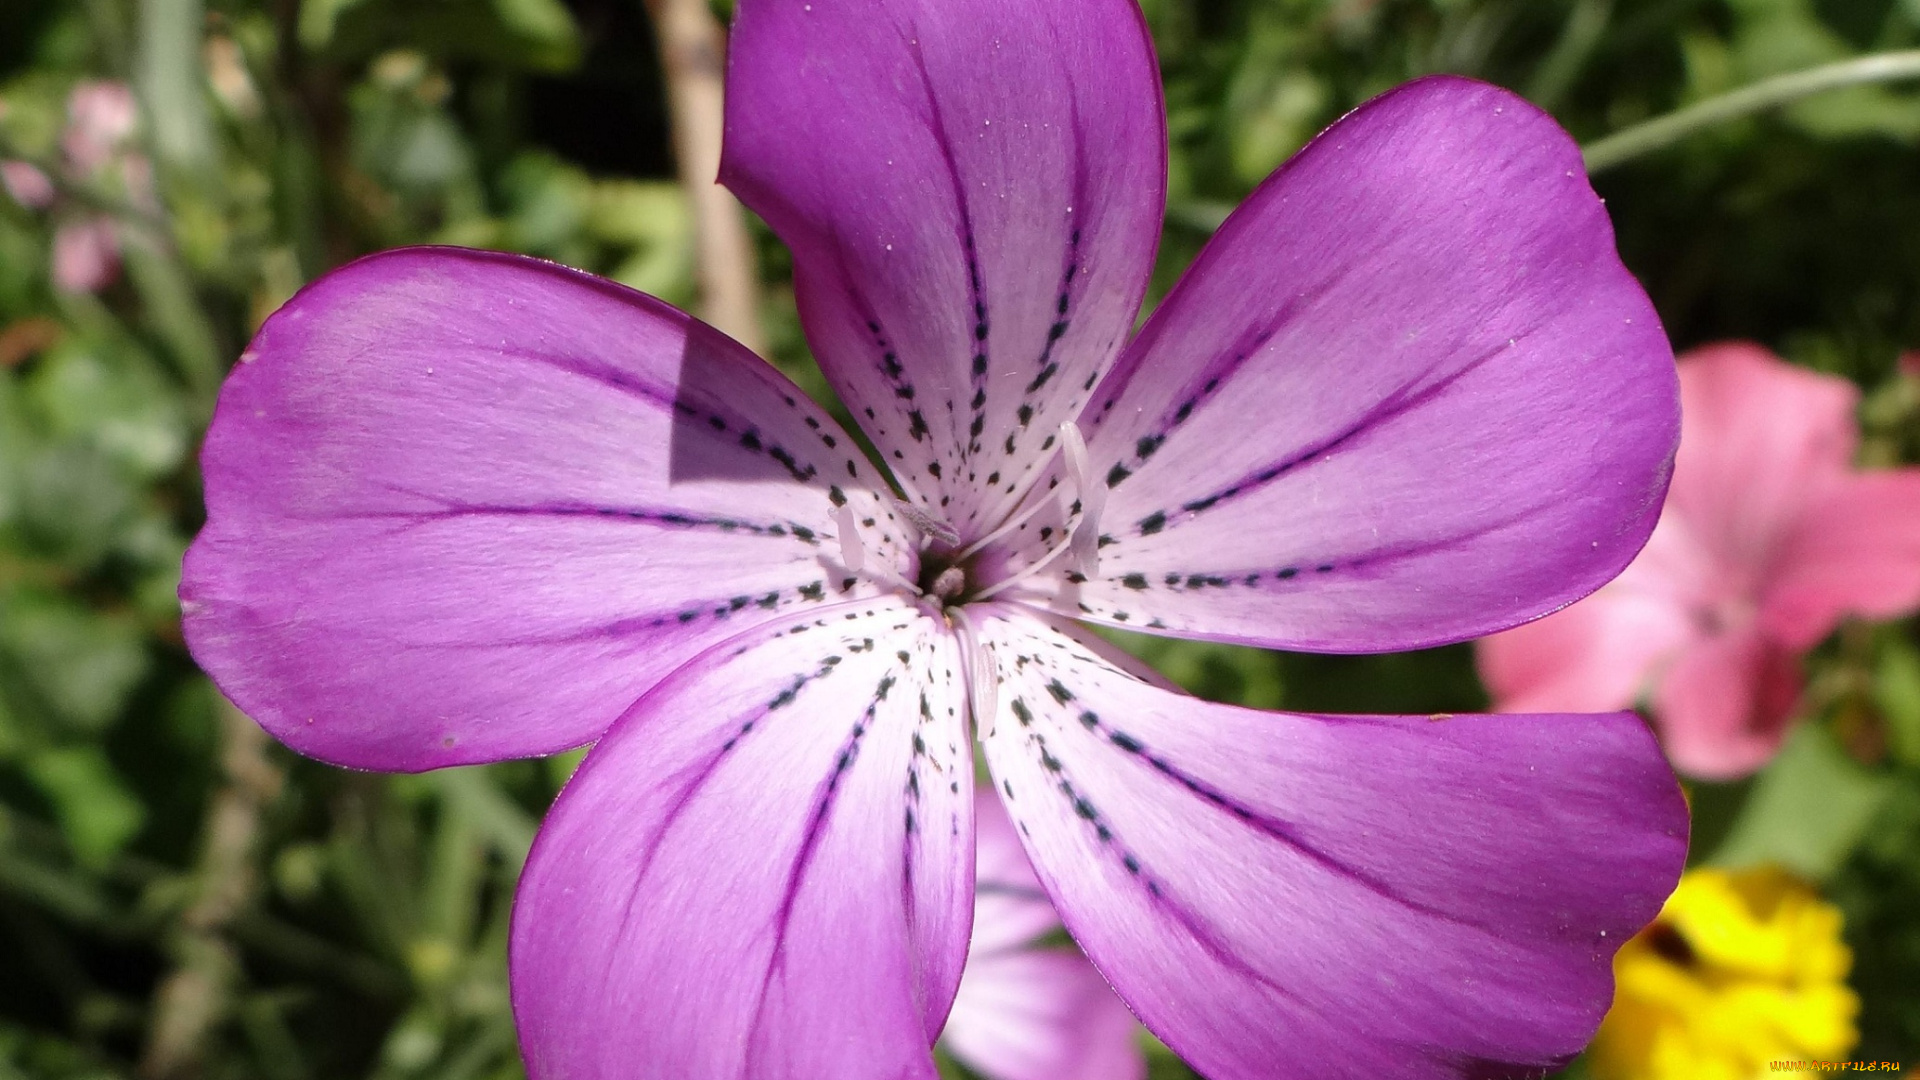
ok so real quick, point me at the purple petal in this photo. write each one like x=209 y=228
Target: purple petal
x=1285 y=895
x=1010 y=910
x=765 y=870
x=466 y=506
x=1023 y=1012
x=1042 y=1014
x=972 y=190
x=1407 y=395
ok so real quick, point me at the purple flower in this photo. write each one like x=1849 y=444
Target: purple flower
x=1026 y=1011
x=466 y=506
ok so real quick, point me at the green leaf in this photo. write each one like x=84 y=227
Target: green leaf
x=174 y=310
x=172 y=83
x=96 y=811
x=72 y=502
x=547 y=23
x=112 y=400
x=80 y=664
x=317 y=19
x=1896 y=689
x=1808 y=810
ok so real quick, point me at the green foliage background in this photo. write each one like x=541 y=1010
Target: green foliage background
x=361 y=931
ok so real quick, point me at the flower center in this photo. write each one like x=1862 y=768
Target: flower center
x=943 y=575
x=949 y=583
x=951 y=575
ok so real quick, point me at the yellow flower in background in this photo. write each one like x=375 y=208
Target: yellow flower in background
x=1742 y=968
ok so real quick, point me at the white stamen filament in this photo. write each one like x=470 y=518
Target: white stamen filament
x=983 y=678
x=853 y=553
x=1084 y=539
x=1012 y=523
x=1092 y=496
x=1026 y=572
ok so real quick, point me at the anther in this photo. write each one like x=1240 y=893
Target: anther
x=931 y=528
x=1093 y=499
x=853 y=553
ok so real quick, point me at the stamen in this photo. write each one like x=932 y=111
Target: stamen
x=1012 y=523
x=1084 y=539
x=1093 y=499
x=853 y=553
x=931 y=528
x=977 y=666
x=1026 y=572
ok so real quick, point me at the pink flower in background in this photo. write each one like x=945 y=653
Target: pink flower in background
x=86 y=255
x=101 y=120
x=29 y=186
x=1026 y=1011
x=465 y=506
x=96 y=150
x=1769 y=539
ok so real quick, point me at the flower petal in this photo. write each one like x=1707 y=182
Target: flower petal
x=1763 y=439
x=1604 y=652
x=1025 y=1012
x=29 y=186
x=1010 y=910
x=1600 y=654
x=466 y=506
x=1287 y=895
x=972 y=190
x=1407 y=395
x=1855 y=551
x=86 y=255
x=765 y=870
x=1723 y=706
x=1042 y=1014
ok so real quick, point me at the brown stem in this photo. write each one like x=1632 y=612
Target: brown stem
x=692 y=51
x=190 y=1001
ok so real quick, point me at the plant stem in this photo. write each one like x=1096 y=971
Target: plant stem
x=692 y=45
x=191 y=1001
x=1663 y=131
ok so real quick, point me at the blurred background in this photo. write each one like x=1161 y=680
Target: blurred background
x=181 y=898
